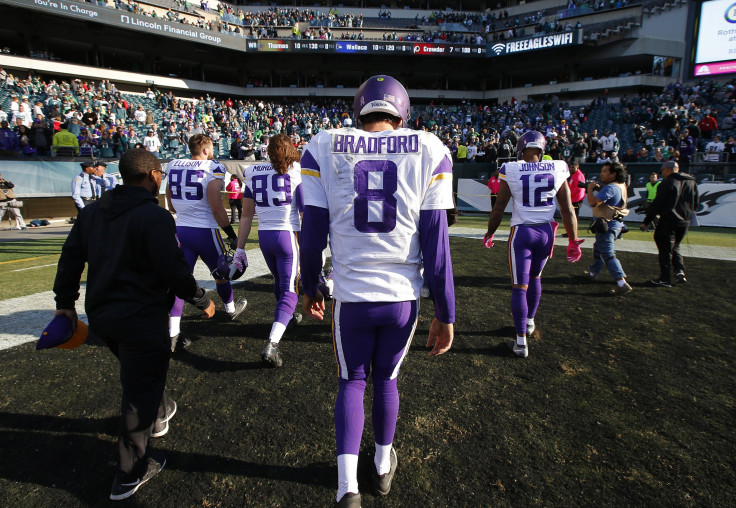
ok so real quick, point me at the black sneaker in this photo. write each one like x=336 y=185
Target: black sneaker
x=178 y=343
x=160 y=428
x=382 y=483
x=349 y=500
x=124 y=486
x=680 y=278
x=660 y=283
x=240 y=306
x=271 y=354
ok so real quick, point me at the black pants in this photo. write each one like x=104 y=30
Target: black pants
x=235 y=205
x=576 y=207
x=144 y=362
x=668 y=236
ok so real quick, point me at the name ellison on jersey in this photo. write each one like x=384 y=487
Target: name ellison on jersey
x=347 y=143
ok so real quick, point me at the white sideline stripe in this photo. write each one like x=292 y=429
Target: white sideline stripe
x=33 y=267
x=23 y=319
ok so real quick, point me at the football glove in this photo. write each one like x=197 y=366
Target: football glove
x=488 y=241
x=232 y=238
x=240 y=259
x=574 y=252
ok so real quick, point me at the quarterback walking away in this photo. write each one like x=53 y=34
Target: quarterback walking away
x=135 y=266
x=194 y=191
x=381 y=193
x=273 y=191
x=534 y=185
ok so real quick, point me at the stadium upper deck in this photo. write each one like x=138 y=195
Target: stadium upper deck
x=574 y=53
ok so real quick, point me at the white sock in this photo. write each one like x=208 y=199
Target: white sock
x=382 y=459
x=277 y=331
x=621 y=282
x=530 y=321
x=230 y=307
x=174 y=323
x=521 y=340
x=347 y=475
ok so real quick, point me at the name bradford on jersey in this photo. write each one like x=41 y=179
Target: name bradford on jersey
x=347 y=143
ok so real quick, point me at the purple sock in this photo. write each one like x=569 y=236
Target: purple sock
x=177 y=308
x=349 y=416
x=519 y=310
x=533 y=296
x=385 y=410
x=285 y=308
x=226 y=292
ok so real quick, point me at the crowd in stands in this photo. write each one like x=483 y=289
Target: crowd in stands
x=674 y=124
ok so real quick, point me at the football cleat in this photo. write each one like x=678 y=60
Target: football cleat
x=531 y=139
x=680 y=278
x=530 y=327
x=271 y=354
x=382 y=94
x=178 y=343
x=521 y=351
x=226 y=269
x=349 y=500
x=660 y=283
x=240 y=306
x=382 y=483
x=296 y=318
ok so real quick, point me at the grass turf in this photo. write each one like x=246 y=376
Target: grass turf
x=623 y=401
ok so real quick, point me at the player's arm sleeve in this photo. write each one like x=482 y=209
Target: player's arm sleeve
x=435 y=244
x=315 y=221
x=439 y=191
x=69 y=272
x=214 y=198
x=312 y=241
x=299 y=198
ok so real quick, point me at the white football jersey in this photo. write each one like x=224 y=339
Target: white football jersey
x=534 y=186
x=374 y=185
x=188 y=180
x=275 y=196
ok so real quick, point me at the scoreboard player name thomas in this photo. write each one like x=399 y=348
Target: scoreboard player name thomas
x=347 y=143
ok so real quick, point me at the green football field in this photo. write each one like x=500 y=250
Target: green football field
x=623 y=401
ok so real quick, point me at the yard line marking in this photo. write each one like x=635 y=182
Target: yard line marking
x=33 y=267
x=19 y=260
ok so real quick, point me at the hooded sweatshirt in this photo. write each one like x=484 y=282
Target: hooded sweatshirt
x=677 y=199
x=133 y=257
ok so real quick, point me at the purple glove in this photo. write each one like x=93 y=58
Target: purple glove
x=574 y=252
x=240 y=260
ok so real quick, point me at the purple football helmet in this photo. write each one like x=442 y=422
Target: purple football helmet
x=531 y=139
x=382 y=93
x=226 y=269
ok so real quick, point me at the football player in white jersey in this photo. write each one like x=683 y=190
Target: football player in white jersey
x=194 y=191
x=534 y=184
x=381 y=194
x=273 y=191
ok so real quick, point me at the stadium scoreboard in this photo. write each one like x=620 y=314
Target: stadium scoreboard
x=364 y=47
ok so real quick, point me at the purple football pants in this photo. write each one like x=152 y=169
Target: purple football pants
x=529 y=248
x=202 y=243
x=369 y=337
x=281 y=251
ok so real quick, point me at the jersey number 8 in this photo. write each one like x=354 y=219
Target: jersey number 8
x=366 y=188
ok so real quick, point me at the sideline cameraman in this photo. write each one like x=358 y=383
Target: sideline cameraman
x=612 y=193
x=9 y=203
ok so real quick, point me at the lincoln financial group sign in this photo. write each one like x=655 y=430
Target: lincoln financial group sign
x=128 y=20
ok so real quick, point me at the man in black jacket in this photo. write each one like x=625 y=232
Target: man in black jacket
x=134 y=265
x=676 y=202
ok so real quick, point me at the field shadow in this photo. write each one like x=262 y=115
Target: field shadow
x=71 y=454
x=207 y=364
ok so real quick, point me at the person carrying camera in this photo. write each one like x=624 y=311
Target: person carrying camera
x=9 y=203
x=611 y=192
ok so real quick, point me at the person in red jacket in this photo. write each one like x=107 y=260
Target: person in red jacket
x=708 y=125
x=494 y=184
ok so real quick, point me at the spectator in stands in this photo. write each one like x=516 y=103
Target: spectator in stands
x=630 y=156
x=24 y=140
x=686 y=149
x=152 y=143
x=714 y=149
x=708 y=125
x=9 y=143
x=140 y=115
x=119 y=142
x=65 y=143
